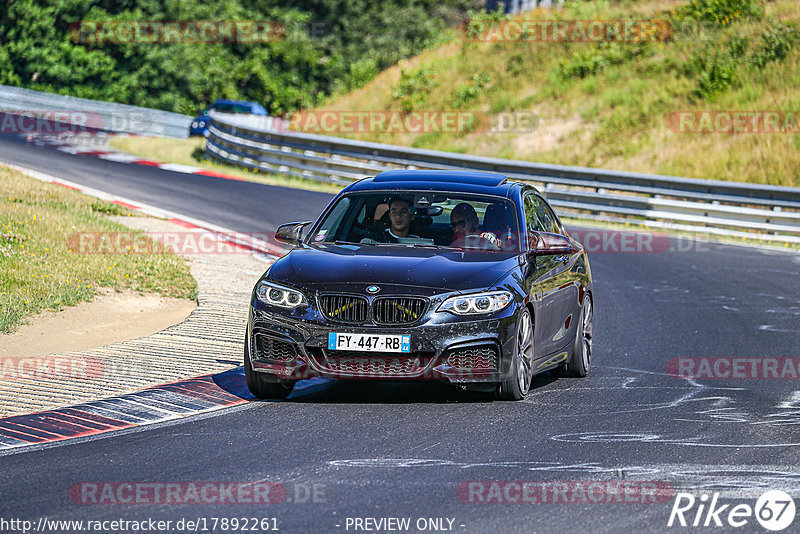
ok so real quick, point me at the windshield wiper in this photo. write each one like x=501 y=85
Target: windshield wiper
x=417 y=245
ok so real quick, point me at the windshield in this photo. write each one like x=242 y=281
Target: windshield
x=422 y=218
x=228 y=107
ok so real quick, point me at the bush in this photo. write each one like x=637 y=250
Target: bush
x=413 y=88
x=362 y=71
x=480 y=21
x=515 y=65
x=718 y=74
x=467 y=93
x=597 y=58
x=777 y=41
x=716 y=66
x=718 y=12
x=329 y=45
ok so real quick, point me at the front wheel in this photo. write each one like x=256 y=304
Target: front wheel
x=516 y=386
x=577 y=366
x=259 y=383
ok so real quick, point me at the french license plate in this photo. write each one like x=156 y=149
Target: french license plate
x=369 y=342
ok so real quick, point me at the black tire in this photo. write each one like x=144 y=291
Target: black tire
x=516 y=386
x=577 y=366
x=264 y=385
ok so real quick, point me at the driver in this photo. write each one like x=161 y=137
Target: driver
x=464 y=220
x=400 y=217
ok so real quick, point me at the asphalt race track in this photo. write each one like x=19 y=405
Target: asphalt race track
x=346 y=450
x=238 y=205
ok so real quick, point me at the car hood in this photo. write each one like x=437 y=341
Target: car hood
x=332 y=266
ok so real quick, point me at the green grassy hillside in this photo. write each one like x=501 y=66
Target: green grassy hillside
x=609 y=104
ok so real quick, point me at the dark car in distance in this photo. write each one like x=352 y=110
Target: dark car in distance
x=199 y=125
x=463 y=277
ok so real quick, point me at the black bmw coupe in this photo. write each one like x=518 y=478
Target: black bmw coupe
x=462 y=277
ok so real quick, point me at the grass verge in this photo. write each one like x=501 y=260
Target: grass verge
x=190 y=152
x=38 y=271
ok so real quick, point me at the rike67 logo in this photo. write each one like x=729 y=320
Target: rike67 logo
x=774 y=510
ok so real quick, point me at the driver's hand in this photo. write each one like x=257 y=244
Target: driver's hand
x=489 y=236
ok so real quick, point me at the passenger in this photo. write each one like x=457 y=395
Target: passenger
x=464 y=220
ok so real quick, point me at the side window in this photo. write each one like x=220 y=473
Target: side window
x=548 y=217
x=532 y=211
x=539 y=217
x=332 y=227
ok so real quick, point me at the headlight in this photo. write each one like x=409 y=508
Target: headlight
x=194 y=124
x=276 y=295
x=477 y=303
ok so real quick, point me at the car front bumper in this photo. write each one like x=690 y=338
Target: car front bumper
x=459 y=352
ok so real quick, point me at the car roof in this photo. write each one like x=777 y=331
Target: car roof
x=242 y=102
x=456 y=181
x=254 y=107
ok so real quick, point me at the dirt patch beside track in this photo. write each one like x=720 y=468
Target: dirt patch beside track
x=63 y=370
x=111 y=317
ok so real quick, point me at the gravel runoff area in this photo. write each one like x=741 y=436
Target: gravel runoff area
x=210 y=340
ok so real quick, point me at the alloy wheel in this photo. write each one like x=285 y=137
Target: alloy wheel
x=525 y=352
x=587 y=333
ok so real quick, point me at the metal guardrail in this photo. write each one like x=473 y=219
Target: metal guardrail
x=106 y=116
x=669 y=202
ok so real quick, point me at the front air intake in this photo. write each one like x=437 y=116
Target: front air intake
x=398 y=310
x=349 y=309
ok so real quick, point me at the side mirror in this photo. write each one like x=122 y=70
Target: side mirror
x=291 y=233
x=546 y=244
